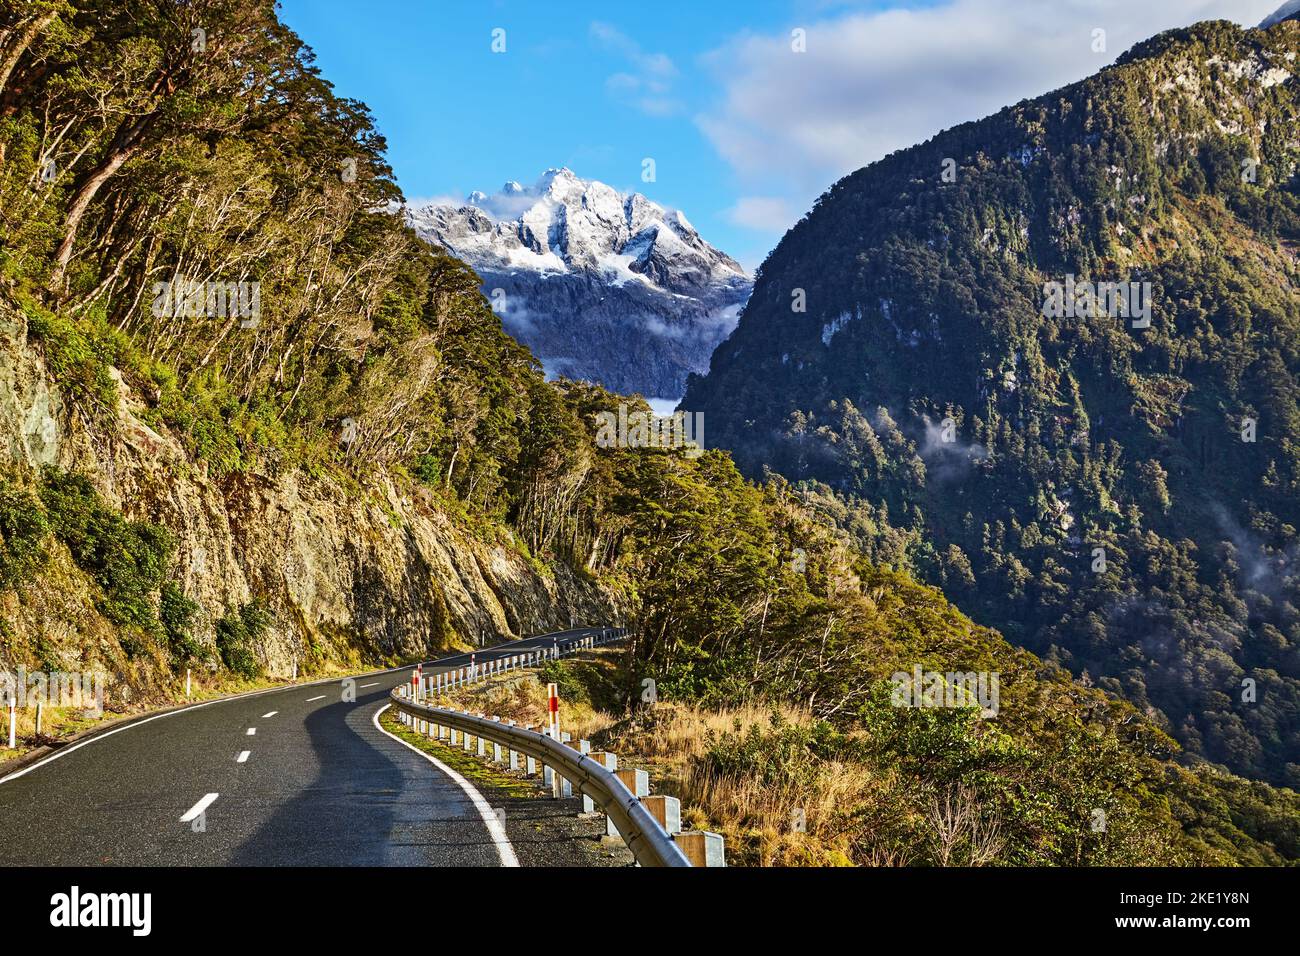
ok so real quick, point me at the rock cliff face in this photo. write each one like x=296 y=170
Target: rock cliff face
x=352 y=575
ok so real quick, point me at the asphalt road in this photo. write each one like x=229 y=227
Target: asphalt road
x=301 y=777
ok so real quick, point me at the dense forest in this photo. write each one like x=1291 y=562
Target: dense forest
x=1115 y=494
x=148 y=142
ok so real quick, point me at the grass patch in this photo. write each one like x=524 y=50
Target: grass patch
x=465 y=762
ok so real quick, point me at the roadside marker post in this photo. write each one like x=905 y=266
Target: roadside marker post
x=187 y=683
x=13 y=722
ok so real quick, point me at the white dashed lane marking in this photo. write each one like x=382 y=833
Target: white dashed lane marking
x=243 y=756
x=251 y=731
x=310 y=699
x=271 y=714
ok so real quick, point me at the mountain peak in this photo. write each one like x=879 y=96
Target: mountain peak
x=566 y=223
x=603 y=284
x=1288 y=11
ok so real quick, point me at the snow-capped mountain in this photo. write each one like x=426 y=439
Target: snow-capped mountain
x=601 y=285
x=1288 y=11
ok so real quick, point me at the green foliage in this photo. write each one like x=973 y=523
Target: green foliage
x=128 y=559
x=786 y=756
x=375 y=352
x=176 y=614
x=23 y=528
x=569 y=685
x=1071 y=434
x=237 y=632
x=80 y=354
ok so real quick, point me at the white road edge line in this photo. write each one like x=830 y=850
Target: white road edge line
x=271 y=714
x=198 y=808
x=310 y=699
x=496 y=830
x=243 y=756
x=72 y=748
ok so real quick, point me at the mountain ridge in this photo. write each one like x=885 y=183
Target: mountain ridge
x=995 y=450
x=603 y=285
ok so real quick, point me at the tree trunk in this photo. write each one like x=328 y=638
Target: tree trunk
x=77 y=210
x=25 y=40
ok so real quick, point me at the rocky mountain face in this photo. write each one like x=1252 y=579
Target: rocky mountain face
x=1113 y=486
x=603 y=286
x=350 y=576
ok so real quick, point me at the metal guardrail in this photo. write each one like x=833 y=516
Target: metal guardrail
x=650 y=844
x=648 y=841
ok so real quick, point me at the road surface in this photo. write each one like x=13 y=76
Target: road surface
x=300 y=777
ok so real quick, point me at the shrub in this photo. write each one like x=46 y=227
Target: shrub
x=237 y=632
x=176 y=614
x=128 y=559
x=23 y=527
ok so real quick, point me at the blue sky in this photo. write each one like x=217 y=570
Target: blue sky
x=744 y=129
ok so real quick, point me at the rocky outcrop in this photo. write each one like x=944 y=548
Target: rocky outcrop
x=353 y=573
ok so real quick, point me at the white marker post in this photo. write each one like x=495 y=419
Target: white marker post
x=13 y=722
x=553 y=730
x=553 y=708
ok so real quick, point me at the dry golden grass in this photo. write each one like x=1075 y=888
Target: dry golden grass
x=764 y=825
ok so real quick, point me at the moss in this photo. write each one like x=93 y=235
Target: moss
x=464 y=762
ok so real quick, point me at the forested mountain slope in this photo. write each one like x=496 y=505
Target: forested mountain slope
x=1118 y=498
x=360 y=466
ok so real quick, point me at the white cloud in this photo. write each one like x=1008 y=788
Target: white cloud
x=872 y=83
x=647 y=83
x=764 y=213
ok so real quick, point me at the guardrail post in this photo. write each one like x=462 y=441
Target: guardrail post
x=566 y=785
x=584 y=747
x=530 y=763
x=702 y=848
x=636 y=780
x=496 y=747
x=606 y=759
x=667 y=810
